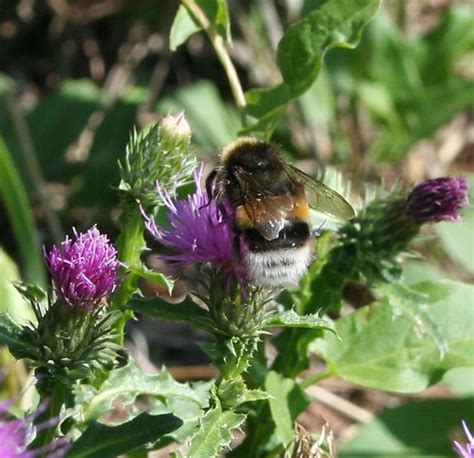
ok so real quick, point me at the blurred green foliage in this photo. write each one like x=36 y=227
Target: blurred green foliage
x=367 y=111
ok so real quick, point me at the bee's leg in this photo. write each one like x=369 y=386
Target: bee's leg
x=317 y=232
x=210 y=181
x=236 y=247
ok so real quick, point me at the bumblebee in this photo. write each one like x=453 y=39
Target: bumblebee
x=270 y=202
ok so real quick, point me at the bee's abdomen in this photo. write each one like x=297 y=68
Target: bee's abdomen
x=282 y=260
x=293 y=235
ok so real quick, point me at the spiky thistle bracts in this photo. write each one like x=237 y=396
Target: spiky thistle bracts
x=159 y=152
x=369 y=244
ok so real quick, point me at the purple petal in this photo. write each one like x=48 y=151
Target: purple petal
x=84 y=270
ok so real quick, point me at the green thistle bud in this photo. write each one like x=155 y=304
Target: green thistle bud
x=370 y=243
x=71 y=343
x=158 y=153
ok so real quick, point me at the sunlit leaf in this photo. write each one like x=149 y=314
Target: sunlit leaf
x=337 y=23
x=380 y=347
x=417 y=429
x=215 y=432
x=111 y=441
x=287 y=402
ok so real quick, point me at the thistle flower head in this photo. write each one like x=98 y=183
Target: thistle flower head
x=84 y=269
x=199 y=232
x=439 y=199
x=466 y=451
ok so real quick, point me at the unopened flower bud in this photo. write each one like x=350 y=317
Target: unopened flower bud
x=175 y=130
x=159 y=152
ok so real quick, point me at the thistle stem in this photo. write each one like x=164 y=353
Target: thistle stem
x=130 y=246
x=219 y=46
x=48 y=421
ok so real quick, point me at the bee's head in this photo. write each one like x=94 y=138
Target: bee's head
x=251 y=155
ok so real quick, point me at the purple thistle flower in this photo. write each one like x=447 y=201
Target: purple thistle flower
x=468 y=450
x=199 y=233
x=15 y=434
x=84 y=270
x=439 y=199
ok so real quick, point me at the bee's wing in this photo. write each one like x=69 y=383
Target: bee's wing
x=266 y=210
x=319 y=196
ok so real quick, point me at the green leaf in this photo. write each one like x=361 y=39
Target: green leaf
x=287 y=402
x=417 y=429
x=409 y=302
x=187 y=311
x=164 y=395
x=218 y=14
x=337 y=23
x=128 y=382
x=184 y=26
x=290 y=319
x=155 y=277
x=418 y=271
x=13 y=195
x=215 y=432
x=107 y=441
x=460 y=380
x=381 y=348
x=15 y=338
x=11 y=301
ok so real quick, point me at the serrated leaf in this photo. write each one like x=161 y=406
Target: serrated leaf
x=13 y=335
x=337 y=23
x=107 y=441
x=253 y=395
x=128 y=382
x=379 y=347
x=215 y=432
x=287 y=402
x=30 y=292
x=290 y=319
x=187 y=311
x=155 y=277
x=163 y=393
x=422 y=428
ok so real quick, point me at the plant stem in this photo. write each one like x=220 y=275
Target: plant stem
x=50 y=417
x=219 y=46
x=130 y=246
